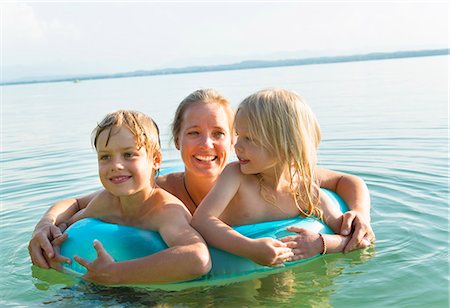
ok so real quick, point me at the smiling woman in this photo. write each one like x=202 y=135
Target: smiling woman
x=202 y=132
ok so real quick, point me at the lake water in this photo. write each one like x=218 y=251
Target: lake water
x=385 y=121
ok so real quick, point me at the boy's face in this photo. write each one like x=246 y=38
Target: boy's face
x=123 y=168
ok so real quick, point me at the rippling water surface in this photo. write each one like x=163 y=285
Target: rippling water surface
x=385 y=121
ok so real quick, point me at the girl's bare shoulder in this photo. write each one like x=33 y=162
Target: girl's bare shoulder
x=232 y=169
x=233 y=172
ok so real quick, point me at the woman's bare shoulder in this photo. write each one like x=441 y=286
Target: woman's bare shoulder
x=167 y=203
x=170 y=182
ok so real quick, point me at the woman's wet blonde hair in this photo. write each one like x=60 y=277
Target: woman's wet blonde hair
x=144 y=129
x=280 y=121
x=205 y=96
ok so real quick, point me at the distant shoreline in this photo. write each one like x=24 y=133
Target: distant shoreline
x=251 y=64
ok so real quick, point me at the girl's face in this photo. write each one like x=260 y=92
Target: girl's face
x=123 y=168
x=205 y=139
x=253 y=157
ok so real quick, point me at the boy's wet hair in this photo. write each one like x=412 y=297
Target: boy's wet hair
x=282 y=122
x=205 y=96
x=144 y=129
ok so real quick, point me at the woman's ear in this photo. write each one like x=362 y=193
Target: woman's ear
x=177 y=143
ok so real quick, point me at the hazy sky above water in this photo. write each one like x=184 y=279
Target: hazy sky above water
x=45 y=38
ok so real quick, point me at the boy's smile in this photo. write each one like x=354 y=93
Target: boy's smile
x=120 y=179
x=123 y=168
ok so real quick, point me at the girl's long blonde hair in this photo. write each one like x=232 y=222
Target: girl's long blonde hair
x=281 y=122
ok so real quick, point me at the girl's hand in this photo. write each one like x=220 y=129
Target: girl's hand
x=305 y=244
x=99 y=270
x=270 y=252
x=40 y=248
x=362 y=235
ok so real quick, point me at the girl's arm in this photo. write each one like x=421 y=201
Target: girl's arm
x=265 y=251
x=306 y=243
x=186 y=258
x=354 y=192
x=46 y=230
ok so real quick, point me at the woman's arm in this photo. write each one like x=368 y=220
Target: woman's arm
x=47 y=228
x=265 y=251
x=353 y=190
x=186 y=258
x=350 y=188
x=306 y=243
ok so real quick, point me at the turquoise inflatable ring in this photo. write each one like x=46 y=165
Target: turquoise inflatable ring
x=126 y=243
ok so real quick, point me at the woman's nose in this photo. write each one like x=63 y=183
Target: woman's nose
x=207 y=141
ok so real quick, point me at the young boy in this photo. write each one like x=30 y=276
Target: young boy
x=129 y=155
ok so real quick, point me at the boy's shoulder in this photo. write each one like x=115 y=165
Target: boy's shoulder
x=102 y=197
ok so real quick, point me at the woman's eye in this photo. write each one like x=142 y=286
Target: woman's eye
x=193 y=133
x=219 y=134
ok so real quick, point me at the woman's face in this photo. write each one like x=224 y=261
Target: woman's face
x=205 y=139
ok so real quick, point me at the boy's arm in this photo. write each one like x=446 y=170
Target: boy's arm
x=353 y=190
x=47 y=228
x=186 y=258
x=265 y=251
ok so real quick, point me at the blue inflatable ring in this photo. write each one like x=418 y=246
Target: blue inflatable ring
x=126 y=243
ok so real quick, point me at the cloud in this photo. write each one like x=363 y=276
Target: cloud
x=20 y=24
x=28 y=35
x=114 y=37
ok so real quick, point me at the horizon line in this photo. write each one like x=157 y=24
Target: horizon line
x=246 y=64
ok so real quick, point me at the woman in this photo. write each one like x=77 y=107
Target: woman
x=202 y=132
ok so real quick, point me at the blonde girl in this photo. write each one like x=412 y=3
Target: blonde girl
x=277 y=141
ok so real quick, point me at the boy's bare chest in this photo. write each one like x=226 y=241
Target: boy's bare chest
x=116 y=215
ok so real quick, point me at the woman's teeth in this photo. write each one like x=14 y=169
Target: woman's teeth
x=205 y=158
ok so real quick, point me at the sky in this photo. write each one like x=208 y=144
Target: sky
x=56 y=38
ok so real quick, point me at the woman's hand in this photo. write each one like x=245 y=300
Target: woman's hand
x=362 y=235
x=270 y=252
x=99 y=270
x=40 y=247
x=56 y=261
x=304 y=244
